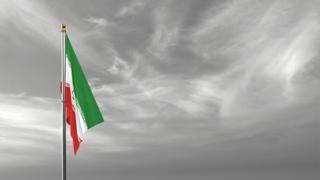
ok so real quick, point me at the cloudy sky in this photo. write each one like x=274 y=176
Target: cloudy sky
x=189 y=89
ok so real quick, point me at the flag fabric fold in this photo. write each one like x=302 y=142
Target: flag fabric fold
x=82 y=111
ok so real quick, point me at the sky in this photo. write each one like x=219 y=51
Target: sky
x=192 y=90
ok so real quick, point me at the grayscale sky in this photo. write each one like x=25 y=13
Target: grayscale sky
x=189 y=89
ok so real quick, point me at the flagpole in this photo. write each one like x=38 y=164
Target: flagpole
x=63 y=79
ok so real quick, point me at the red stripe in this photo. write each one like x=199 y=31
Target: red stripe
x=71 y=120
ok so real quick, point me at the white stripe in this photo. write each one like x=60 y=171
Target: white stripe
x=81 y=125
x=79 y=114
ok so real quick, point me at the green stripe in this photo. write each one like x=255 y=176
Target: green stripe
x=82 y=91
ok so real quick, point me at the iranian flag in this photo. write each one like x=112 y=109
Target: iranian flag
x=82 y=111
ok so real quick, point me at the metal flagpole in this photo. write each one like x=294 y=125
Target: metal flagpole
x=63 y=79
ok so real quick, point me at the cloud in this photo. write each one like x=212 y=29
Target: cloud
x=165 y=34
x=30 y=125
x=130 y=9
x=32 y=131
x=100 y=22
x=119 y=66
x=184 y=86
x=262 y=52
x=41 y=24
x=32 y=18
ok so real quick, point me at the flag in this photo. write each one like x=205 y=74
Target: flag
x=82 y=111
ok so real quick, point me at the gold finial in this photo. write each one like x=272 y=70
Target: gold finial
x=63 y=27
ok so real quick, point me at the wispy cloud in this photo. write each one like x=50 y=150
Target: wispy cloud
x=32 y=18
x=28 y=122
x=130 y=9
x=165 y=34
x=32 y=126
x=219 y=84
x=100 y=22
x=263 y=64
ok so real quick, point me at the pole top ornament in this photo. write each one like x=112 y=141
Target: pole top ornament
x=63 y=27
